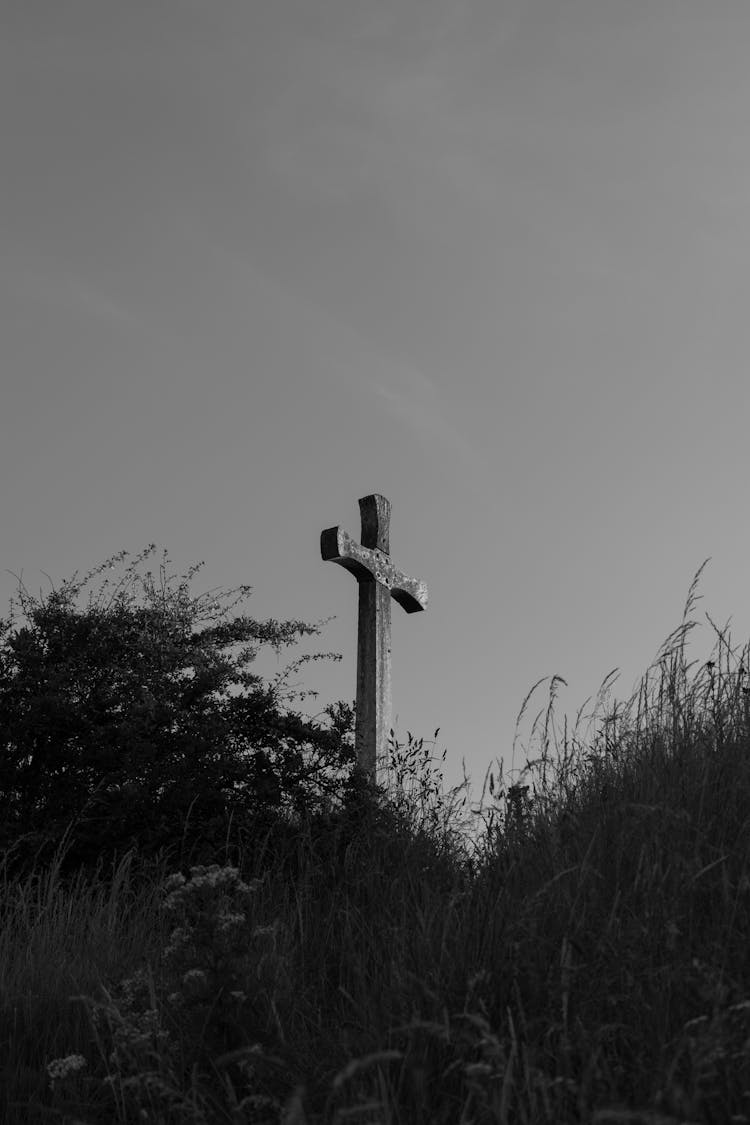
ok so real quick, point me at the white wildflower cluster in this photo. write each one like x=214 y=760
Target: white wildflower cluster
x=212 y=921
x=59 y=1069
x=195 y=983
x=209 y=968
x=134 y=1021
x=173 y=882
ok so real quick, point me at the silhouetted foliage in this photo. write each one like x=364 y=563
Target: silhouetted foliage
x=134 y=724
x=581 y=956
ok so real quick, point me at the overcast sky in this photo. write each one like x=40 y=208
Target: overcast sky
x=489 y=259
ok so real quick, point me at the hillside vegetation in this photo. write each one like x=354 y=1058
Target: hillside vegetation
x=574 y=950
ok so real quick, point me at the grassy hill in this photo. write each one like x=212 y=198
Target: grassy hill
x=584 y=957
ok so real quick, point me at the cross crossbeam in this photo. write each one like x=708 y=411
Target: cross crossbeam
x=378 y=580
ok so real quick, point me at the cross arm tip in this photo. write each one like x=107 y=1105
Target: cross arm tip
x=411 y=595
x=329 y=544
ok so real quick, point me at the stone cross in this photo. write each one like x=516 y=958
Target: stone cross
x=378 y=581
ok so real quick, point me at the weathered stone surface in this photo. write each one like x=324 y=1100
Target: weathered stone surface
x=378 y=580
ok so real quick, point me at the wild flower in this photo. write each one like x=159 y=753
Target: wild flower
x=212 y=931
x=208 y=968
x=59 y=1069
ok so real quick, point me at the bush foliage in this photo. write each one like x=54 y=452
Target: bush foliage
x=135 y=722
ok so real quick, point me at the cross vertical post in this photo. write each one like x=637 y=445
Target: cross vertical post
x=378 y=581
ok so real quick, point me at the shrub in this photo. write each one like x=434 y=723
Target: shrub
x=128 y=724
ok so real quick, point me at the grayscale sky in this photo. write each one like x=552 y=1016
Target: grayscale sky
x=488 y=258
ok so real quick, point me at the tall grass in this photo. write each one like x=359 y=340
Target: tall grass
x=584 y=957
